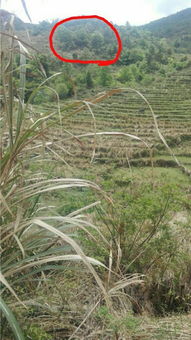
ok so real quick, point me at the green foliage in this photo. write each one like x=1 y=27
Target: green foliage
x=125 y=75
x=141 y=223
x=105 y=77
x=13 y=324
x=127 y=322
x=42 y=27
x=97 y=42
x=176 y=28
x=62 y=90
x=81 y=39
x=143 y=53
x=131 y=56
x=36 y=333
x=136 y=232
x=89 y=80
x=131 y=73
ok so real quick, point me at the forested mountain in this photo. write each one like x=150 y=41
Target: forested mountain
x=176 y=27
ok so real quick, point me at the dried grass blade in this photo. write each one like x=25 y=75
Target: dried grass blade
x=78 y=251
x=121 y=284
x=7 y=285
x=95 y=128
x=76 y=212
x=20 y=115
x=54 y=258
x=114 y=134
x=3 y=200
x=26 y=10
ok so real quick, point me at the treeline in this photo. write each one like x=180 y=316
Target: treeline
x=93 y=39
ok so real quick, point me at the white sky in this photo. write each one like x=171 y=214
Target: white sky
x=136 y=12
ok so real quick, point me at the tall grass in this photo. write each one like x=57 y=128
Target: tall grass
x=28 y=244
x=29 y=240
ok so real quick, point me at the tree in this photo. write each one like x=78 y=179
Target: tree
x=89 y=80
x=125 y=75
x=81 y=39
x=97 y=42
x=74 y=55
x=65 y=38
x=132 y=56
x=105 y=77
x=127 y=24
x=86 y=54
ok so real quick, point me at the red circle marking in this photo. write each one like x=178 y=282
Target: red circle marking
x=99 y=62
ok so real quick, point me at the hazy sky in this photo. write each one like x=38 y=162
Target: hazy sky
x=136 y=12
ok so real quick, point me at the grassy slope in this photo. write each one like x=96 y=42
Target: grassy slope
x=128 y=113
x=110 y=169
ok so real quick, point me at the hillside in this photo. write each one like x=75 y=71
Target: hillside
x=176 y=27
x=145 y=58
x=175 y=24
x=77 y=37
x=5 y=17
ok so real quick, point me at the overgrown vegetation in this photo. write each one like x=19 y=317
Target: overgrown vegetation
x=145 y=58
x=95 y=224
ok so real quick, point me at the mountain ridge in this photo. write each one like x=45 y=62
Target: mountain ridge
x=183 y=14
x=171 y=24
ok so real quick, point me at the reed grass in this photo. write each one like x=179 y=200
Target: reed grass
x=28 y=238
x=23 y=246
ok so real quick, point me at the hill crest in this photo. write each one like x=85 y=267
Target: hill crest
x=179 y=22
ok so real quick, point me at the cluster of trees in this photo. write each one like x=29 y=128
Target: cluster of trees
x=75 y=78
x=97 y=37
x=93 y=39
x=86 y=39
x=71 y=78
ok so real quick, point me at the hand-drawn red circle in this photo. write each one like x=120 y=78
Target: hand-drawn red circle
x=99 y=62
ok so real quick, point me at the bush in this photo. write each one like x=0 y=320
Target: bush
x=89 y=80
x=125 y=75
x=105 y=78
x=62 y=90
x=141 y=225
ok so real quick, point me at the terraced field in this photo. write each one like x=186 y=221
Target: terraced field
x=128 y=113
